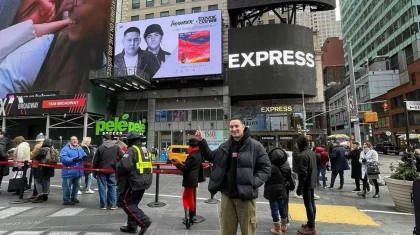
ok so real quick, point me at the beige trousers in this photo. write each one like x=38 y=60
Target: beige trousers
x=234 y=211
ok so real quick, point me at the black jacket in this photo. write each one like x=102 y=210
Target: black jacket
x=44 y=171
x=4 y=168
x=190 y=169
x=146 y=61
x=307 y=165
x=253 y=166
x=295 y=160
x=88 y=159
x=338 y=159
x=106 y=154
x=356 y=167
x=127 y=172
x=276 y=186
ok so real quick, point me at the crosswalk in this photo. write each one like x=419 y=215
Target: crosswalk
x=54 y=233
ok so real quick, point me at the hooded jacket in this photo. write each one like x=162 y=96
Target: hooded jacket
x=276 y=186
x=323 y=156
x=253 y=166
x=295 y=162
x=106 y=154
x=307 y=165
x=44 y=171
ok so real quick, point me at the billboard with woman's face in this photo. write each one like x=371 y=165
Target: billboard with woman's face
x=53 y=44
x=170 y=47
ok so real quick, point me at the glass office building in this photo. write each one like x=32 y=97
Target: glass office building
x=381 y=28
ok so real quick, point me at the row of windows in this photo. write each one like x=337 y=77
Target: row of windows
x=340 y=116
x=177 y=12
x=189 y=115
x=383 y=122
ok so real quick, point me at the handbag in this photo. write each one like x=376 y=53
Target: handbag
x=15 y=184
x=372 y=169
x=201 y=176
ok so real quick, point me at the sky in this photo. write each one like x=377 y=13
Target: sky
x=337 y=10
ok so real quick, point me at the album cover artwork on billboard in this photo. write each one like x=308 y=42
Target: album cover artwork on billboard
x=194 y=47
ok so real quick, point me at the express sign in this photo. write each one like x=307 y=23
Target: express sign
x=120 y=126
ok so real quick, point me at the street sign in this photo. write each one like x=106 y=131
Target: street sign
x=309 y=124
x=413 y=105
x=351 y=105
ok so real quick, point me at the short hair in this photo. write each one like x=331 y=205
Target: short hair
x=106 y=137
x=19 y=140
x=132 y=30
x=237 y=118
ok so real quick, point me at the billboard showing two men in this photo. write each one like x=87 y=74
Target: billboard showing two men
x=52 y=45
x=176 y=46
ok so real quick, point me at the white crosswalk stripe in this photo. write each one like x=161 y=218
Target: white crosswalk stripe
x=26 y=233
x=67 y=212
x=12 y=211
x=56 y=233
x=62 y=233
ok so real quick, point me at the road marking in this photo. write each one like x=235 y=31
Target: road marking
x=13 y=211
x=63 y=233
x=386 y=212
x=94 y=233
x=67 y=212
x=26 y=232
x=3 y=232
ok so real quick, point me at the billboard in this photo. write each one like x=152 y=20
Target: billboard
x=169 y=47
x=53 y=45
x=273 y=59
x=34 y=104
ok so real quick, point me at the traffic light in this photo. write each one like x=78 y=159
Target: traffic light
x=385 y=106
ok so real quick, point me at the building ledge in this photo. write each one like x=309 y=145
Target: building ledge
x=120 y=80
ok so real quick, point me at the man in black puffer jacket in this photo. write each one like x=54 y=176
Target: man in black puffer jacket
x=240 y=167
x=307 y=182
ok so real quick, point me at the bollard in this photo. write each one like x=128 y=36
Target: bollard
x=156 y=203
x=22 y=185
x=212 y=200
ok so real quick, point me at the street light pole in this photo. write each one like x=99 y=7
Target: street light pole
x=304 y=114
x=355 y=111
x=348 y=112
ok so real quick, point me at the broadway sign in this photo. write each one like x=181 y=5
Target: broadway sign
x=23 y=106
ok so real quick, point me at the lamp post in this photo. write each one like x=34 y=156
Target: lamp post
x=355 y=111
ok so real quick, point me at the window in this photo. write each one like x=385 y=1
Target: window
x=196 y=9
x=163 y=2
x=180 y=12
x=179 y=1
x=219 y=114
x=134 y=18
x=271 y=21
x=150 y=3
x=206 y=114
x=397 y=102
x=164 y=13
x=149 y=16
x=213 y=7
x=413 y=79
x=135 y=4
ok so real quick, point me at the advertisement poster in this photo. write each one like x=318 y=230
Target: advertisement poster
x=53 y=45
x=168 y=47
x=214 y=138
x=257 y=123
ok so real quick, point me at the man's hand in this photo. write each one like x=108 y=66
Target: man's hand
x=77 y=159
x=175 y=162
x=198 y=134
x=299 y=191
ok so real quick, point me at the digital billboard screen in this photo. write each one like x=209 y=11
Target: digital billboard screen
x=170 y=47
x=53 y=45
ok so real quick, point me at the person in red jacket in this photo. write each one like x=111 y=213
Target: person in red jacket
x=322 y=159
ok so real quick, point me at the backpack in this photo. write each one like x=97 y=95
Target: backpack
x=52 y=156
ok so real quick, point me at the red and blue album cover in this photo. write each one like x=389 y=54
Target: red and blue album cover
x=194 y=47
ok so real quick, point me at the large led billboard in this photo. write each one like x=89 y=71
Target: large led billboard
x=170 y=47
x=53 y=45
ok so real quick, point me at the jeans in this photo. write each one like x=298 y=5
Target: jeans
x=309 y=201
x=276 y=207
x=334 y=175
x=107 y=189
x=88 y=181
x=43 y=185
x=70 y=188
x=34 y=170
x=322 y=170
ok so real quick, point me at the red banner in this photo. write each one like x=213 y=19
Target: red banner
x=67 y=103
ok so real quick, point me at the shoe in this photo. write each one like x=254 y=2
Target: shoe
x=75 y=200
x=187 y=218
x=45 y=197
x=316 y=197
x=325 y=187
x=362 y=194
x=128 y=229
x=330 y=186
x=70 y=203
x=113 y=207
x=103 y=207
x=341 y=187
x=356 y=190
x=277 y=229
x=284 y=226
x=90 y=191
x=191 y=217
x=79 y=192
x=147 y=224
x=376 y=195
x=39 y=199
x=307 y=231
x=298 y=197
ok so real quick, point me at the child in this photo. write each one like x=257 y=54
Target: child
x=276 y=189
x=190 y=170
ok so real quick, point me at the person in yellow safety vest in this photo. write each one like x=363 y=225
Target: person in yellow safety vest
x=135 y=176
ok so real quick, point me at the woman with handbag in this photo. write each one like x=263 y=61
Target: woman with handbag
x=370 y=169
x=276 y=189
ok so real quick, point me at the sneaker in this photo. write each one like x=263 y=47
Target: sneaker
x=90 y=191
x=113 y=207
x=356 y=190
x=128 y=229
x=325 y=187
x=70 y=203
x=298 y=197
x=79 y=192
x=316 y=197
x=75 y=200
x=147 y=224
x=330 y=186
x=102 y=207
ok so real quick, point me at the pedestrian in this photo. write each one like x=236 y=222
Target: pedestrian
x=190 y=170
x=276 y=189
x=87 y=163
x=4 y=168
x=307 y=184
x=339 y=164
x=295 y=168
x=106 y=154
x=38 y=145
x=369 y=157
x=71 y=156
x=356 y=167
x=417 y=158
x=134 y=177
x=322 y=160
x=20 y=154
x=44 y=173
x=240 y=166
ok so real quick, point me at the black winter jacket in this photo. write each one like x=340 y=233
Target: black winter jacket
x=308 y=171
x=106 y=154
x=43 y=171
x=253 y=166
x=275 y=188
x=127 y=172
x=190 y=169
x=338 y=159
x=88 y=159
x=356 y=167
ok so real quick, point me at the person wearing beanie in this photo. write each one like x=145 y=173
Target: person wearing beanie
x=307 y=183
x=38 y=145
x=190 y=177
x=153 y=36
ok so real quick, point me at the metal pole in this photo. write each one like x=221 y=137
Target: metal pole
x=47 y=129
x=407 y=133
x=348 y=112
x=355 y=113
x=85 y=125
x=3 y=125
x=304 y=114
